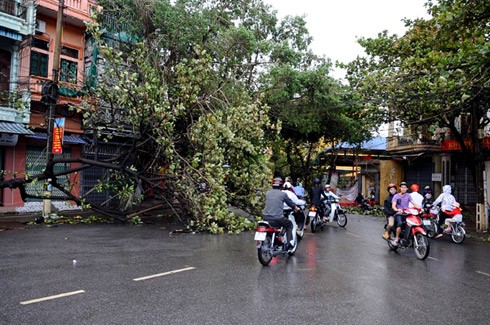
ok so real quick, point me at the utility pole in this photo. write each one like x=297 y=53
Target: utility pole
x=56 y=76
x=51 y=105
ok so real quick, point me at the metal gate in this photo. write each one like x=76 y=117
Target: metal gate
x=91 y=177
x=36 y=163
x=419 y=172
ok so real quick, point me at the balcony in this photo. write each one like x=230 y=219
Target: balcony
x=13 y=19
x=75 y=11
x=407 y=144
x=15 y=107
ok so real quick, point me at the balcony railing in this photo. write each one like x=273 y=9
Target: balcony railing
x=10 y=7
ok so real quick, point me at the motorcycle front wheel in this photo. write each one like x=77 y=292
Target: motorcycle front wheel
x=421 y=246
x=458 y=234
x=264 y=252
x=341 y=218
x=292 y=251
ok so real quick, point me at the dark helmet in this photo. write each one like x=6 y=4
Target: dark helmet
x=316 y=181
x=403 y=183
x=415 y=188
x=277 y=182
x=391 y=185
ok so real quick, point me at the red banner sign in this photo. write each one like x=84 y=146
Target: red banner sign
x=58 y=132
x=449 y=145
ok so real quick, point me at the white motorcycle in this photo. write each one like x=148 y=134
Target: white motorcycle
x=335 y=212
x=272 y=240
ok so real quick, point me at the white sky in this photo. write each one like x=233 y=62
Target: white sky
x=335 y=25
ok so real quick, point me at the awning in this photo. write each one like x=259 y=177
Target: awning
x=10 y=34
x=15 y=128
x=67 y=139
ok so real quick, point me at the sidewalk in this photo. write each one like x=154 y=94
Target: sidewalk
x=11 y=221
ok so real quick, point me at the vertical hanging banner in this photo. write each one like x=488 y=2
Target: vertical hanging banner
x=58 y=132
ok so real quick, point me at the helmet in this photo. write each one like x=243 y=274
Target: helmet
x=414 y=188
x=391 y=185
x=327 y=185
x=287 y=185
x=316 y=181
x=277 y=182
x=427 y=187
x=403 y=183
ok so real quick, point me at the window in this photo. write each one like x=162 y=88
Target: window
x=39 y=64
x=40 y=44
x=68 y=71
x=69 y=52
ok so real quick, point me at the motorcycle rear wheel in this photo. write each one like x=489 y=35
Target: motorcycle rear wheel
x=431 y=230
x=264 y=252
x=341 y=218
x=314 y=224
x=458 y=234
x=421 y=246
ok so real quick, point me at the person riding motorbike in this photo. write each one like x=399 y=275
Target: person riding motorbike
x=329 y=195
x=446 y=199
x=273 y=211
x=388 y=209
x=427 y=202
x=453 y=219
x=416 y=196
x=317 y=196
x=400 y=202
x=298 y=215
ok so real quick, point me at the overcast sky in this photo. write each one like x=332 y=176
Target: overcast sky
x=336 y=24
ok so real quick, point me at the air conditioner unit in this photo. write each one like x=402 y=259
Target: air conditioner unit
x=40 y=26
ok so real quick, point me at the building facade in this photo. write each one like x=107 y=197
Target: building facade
x=27 y=55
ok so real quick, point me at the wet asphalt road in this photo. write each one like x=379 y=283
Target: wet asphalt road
x=338 y=276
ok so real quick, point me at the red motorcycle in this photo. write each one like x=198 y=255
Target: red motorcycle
x=413 y=235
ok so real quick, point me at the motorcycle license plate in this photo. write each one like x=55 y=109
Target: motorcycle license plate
x=260 y=236
x=312 y=213
x=426 y=222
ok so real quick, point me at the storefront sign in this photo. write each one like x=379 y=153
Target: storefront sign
x=58 y=132
x=436 y=177
x=8 y=139
x=449 y=145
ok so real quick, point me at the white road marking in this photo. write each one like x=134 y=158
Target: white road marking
x=163 y=274
x=483 y=273
x=351 y=234
x=61 y=295
x=433 y=258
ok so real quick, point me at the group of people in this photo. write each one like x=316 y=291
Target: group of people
x=396 y=202
x=283 y=199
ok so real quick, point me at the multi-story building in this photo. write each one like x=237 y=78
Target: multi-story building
x=31 y=66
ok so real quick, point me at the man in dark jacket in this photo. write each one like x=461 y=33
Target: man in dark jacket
x=388 y=209
x=317 y=196
x=273 y=211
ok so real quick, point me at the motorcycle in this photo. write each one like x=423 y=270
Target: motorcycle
x=272 y=240
x=334 y=212
x=413 y=235
x=430 y=221
x=457 y=232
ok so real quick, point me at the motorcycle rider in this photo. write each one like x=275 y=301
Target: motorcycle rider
x=454 y=218
x=273 y=211
x=446 y=199
x=298 y=215
x=388 y=209
x=329 y=195
x=400 y=202
x=416 y=196
x=317 y=196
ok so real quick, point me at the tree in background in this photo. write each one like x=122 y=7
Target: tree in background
x=433 y=75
